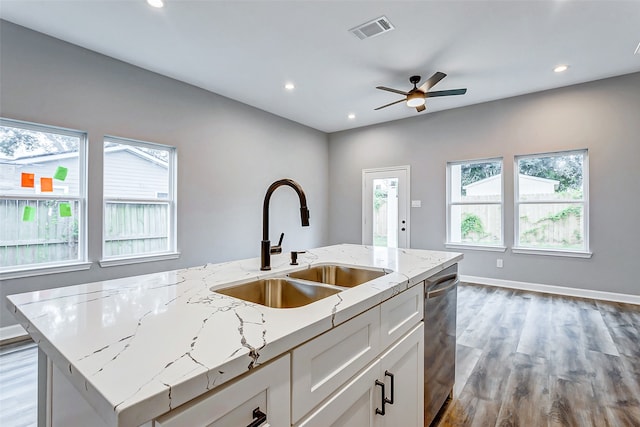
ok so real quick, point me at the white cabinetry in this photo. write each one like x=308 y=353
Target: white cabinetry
x=323 y=364
x=404 y=362
x=359 y=401
x=265 y=392
x=338 y=378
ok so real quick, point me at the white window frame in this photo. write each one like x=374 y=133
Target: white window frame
x=81 y=263
x=461 y=245
x=171 y=252
x=586 y=253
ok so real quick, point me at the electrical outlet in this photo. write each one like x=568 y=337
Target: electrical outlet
x=499 y=263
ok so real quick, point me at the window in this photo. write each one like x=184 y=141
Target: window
x=139 y=201
x=551 y=203
x=42 y=199
x=474 y=204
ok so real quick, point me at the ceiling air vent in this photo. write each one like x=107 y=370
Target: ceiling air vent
x=372 y=28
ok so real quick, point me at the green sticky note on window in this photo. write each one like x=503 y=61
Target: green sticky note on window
x=29 y=214
x=61 y=173
x=65 y=209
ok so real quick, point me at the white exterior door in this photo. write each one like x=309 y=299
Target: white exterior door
x=385 y=207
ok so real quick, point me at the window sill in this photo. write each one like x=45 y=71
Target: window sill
x=475 y=247
x=112 y=262
x=552 y=252
x=17 y=272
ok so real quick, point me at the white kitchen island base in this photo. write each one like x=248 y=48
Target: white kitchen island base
x=134 y=351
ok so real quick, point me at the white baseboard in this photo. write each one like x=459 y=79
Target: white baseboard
x=552 y=289
x=12 y=333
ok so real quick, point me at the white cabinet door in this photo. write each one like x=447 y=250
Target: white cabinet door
x=352 y=406
x=402 y=369
x=322 y=365
x=266 y=390
x=359 y=402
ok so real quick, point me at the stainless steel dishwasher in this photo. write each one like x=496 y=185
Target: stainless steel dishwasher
x=440 y=299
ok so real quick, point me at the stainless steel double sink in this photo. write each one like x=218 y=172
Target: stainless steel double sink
x=301 y=287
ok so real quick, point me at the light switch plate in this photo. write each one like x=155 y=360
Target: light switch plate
x=416 y=203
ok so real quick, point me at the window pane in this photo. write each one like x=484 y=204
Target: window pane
x=385 y=212
x=136 y=228
x=556 y=177
x=135 y=172
x=476 y=224
x=37 y=162
x=38 y=231
x=552 y=226
x=476 y=182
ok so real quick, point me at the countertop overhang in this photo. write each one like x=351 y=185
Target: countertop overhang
x=140 y=346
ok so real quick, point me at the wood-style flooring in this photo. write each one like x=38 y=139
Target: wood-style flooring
x=523 y=359
x=18 y=384
x=528 y=359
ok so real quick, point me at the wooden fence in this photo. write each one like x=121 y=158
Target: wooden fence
x=46 y=236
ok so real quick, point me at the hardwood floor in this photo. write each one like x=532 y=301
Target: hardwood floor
x=18 y=384
x=527 y=359
x=523 y=359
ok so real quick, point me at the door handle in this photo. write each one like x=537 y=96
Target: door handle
x=443 y=290
x=390 y=375
x=259 y=417
x=384 y=400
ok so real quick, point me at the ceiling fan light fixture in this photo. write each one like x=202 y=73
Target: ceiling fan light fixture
x=155 y=3
x=415 y=99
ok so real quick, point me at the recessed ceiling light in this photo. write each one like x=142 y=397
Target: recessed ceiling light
x=561 y=68
x=637 y=52
x=155 y=3
x=351 y=116
x=289 y=86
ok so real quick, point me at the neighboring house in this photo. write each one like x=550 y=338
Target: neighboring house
x=527 y=184
x=129 y=165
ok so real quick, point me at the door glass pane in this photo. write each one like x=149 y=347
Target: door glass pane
x=385 y=212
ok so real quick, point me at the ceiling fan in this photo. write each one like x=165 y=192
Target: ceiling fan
x=417 y=96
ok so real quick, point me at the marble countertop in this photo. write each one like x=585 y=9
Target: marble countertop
x=140 y=346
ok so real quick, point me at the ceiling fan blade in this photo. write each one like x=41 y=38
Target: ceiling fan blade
x=445 y=93
x=392 y=90
x=431 y=82
x=420 y=108
x=388 y=105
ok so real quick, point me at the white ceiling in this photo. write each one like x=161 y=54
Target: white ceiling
x=247 y=50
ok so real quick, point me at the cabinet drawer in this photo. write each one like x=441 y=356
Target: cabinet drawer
x=400 y=314
x=267 y=388
x=322 y=365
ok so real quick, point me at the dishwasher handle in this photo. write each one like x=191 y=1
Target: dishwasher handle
x=451 y=281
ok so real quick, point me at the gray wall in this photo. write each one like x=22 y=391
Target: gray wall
x=228 y=152
x=602 y=116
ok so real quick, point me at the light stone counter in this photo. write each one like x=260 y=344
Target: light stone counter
x=138 y=347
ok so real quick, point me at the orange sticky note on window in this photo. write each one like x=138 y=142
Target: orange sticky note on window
x=28 y=180
x=46 y=185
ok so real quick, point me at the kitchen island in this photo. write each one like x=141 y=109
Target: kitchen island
x=140 y=347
